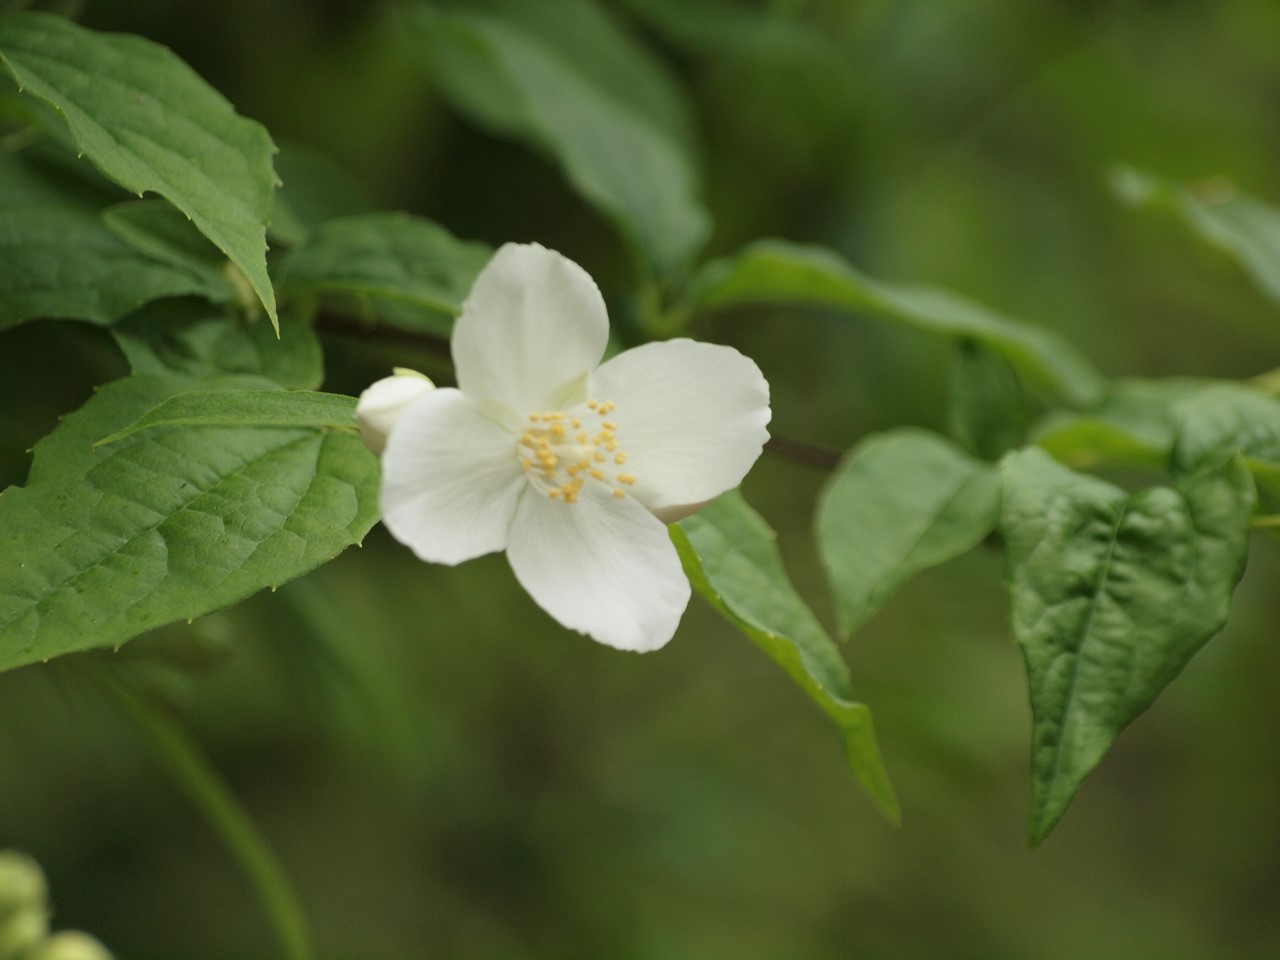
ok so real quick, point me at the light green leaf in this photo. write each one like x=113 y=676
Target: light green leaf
x=408 y=271
x=986 y=411
x=60 y=260
x=1112 y=595
x=245 y=408
x=1242 y=226
x=592 y=99
x=1174 y=422
x=774 y=271
x=729 y=555
x=189 y=338
x=899 y=503
x=1134 y=424
x=1230 y=418
x=170 y=523
x=148 y=122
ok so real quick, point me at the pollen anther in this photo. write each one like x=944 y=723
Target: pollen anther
x=559 y=462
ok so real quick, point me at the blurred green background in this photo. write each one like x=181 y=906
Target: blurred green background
x=446 y=773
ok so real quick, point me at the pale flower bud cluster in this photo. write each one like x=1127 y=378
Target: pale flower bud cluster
x=24 y=917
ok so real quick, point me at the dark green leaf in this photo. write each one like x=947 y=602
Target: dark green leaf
x=189 y=339
x=986 y=411
x=106 y=542
x=729 y=554
x=1223 y=216
x=405 y=270
x=157 y=230
x=61 y=261
x=245 y=408
x=774 y=271
x=150 y=123
x=899 y=503
x=1112 y=595
x=592 y=99
x=313 y=189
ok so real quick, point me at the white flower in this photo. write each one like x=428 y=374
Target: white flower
x=565 y=463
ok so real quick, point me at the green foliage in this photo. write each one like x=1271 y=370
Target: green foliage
x=1230 y=417
x=1217 y=211
x=245 y=408
x=899 y=503
x=986 y=411
x=729 y=554
x=410 y=272
x=218 y=468
x=562 y=76
x=191 y=339
x=105 y=542
x=1112 y=594
x=157 y=230
x=777 y=272
x=313 y=189
x=148 y=122
x=61 y=260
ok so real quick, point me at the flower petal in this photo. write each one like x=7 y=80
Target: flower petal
x=602 y=566
x=533 y=322
x=450 y=479
x=690 y=417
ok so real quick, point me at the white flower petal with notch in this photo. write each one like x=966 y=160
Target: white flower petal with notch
x=450 y=481
x=691 y=416
x=533 y=322
x=602 y=566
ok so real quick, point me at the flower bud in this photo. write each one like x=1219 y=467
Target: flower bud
x=382 y=403
x=22 y=885
x=21 y=932
x=71 y=945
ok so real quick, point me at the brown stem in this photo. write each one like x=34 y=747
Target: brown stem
x=806 y=454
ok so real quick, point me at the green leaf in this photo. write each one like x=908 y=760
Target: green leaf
x=245 y=408
x=190 y=339
x=148 y=122
x=591 y=98
x=170 y=523
x=899 y=503
x=157 y=230
x=1230 y=418
x=1242 y=226
x=194 y=773
x=1173 y=422
x=1112 y=594
x=61 y=261
x=774 y=271
x=313 y=189
x=729 y=555
x=986 y=411
x=408 y=271
x=1134 y=424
